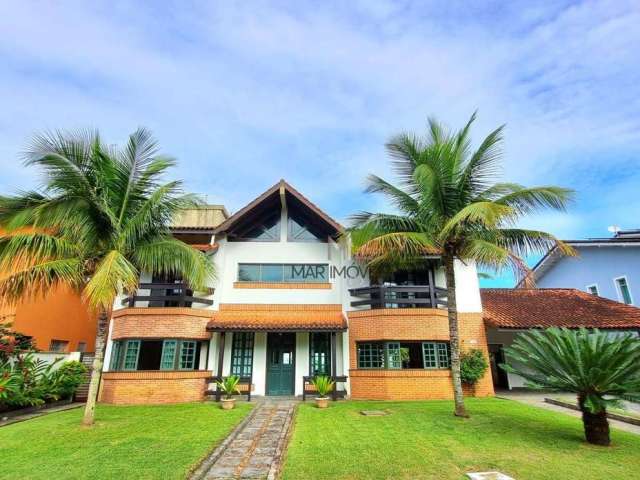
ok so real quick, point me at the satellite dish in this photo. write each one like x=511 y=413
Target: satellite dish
x=614 y=228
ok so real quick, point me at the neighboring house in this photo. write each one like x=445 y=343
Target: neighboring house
x=288 y=302
x=58 y=323
x=608 y=267
x=509 y=312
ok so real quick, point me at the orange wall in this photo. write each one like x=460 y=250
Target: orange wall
x=60 y=316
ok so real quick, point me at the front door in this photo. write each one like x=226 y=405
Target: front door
x=280 y=363
x=496 y=358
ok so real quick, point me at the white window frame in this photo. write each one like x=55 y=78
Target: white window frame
x=619 y=290
x=588 y=287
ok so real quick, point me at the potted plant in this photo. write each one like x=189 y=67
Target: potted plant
x=324 y=386
x=229 y=387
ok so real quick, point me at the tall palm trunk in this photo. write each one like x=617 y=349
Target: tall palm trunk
x=96 y=370
x=454 y=336
x=596 y=425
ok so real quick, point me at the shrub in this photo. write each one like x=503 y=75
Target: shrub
x=473 y=365
x=70 y=376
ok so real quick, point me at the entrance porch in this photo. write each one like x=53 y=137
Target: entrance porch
x=276 y=353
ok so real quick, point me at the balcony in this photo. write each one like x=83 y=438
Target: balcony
x=396 y=296
x=166 y=295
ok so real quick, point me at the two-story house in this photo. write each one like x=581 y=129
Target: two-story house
x=608 y=267
x=288 y=302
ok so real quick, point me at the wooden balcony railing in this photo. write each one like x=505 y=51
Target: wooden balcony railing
x=166 y=295
x=405 y=296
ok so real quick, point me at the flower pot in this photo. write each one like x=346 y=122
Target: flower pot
x=228 y=403
x=322 y=402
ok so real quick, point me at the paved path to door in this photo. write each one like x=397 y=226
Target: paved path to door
x=255 y=449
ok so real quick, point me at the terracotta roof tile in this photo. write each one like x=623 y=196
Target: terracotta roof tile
x=277 y=318
x=555 y=307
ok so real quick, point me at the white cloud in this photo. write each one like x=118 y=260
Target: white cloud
x=246 y=93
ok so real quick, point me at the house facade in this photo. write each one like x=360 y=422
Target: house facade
x=608 y=267
x=288 y=302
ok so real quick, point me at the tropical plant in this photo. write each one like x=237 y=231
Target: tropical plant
x=229 y=386
x=473 y=366
x=71 y=375
x=34 y=381
x=14 y=343
x=599 y=367
x=449 y=205
x=101 y=218
x=323 y=384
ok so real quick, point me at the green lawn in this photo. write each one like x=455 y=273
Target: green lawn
x=159 y=442
x=424 y=440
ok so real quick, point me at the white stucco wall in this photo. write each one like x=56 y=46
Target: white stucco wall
x=467 y=287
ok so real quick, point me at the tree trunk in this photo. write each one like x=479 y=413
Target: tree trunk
x=454 y=336
x=596 y=425
x=104 y=317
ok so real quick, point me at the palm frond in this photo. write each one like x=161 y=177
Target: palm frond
x=27 y=281
x=111 y=275
x=399 y=198
x=165 y=256
x=529 y=200
x=483 y=166
x=486 y=214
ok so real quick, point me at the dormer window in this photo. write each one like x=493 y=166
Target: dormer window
x=266 y=229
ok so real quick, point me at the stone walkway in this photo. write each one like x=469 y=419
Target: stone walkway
x=254 y=449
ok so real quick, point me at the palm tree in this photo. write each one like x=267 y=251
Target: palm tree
x=599 y=367
x=448 y=205
x=100 y=219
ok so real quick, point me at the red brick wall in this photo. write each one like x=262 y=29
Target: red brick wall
x=161 y=323
x=412 y=324
x=147 y=387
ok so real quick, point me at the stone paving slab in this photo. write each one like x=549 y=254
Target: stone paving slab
x=255 y=451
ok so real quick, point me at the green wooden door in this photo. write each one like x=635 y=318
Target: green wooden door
x=281 y=365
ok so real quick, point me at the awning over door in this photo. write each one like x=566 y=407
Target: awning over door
x=277 y=318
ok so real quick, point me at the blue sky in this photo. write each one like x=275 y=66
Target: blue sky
x=244 y=93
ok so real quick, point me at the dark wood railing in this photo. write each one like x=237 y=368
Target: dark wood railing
x=405 y=296
x=166 y=295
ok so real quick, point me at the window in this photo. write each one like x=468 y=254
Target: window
x=167 y=354
x=370 y=355
x=267 y=230
x=58 y=345
x=623 y=290
x=593 y=289
x=242 y=354
x=187 y=355
x=82 y=346
x=299 y=232
x=283 y=272
x=320 y=353
x=404 y=355
x=132 y=348
x=116 y=353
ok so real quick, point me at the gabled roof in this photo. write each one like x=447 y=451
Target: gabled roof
x=282 y=188
x=554 y=307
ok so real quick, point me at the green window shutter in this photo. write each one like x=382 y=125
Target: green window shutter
x=429 y=355
x=319 y=353
x=116 y=350
x=131 y=355
x=443 y=355
x=394 y=359
x=168 y=359
x=242 y=354
x=187 y=355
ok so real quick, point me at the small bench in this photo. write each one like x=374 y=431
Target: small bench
x=309 y=389
x=244 y=386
